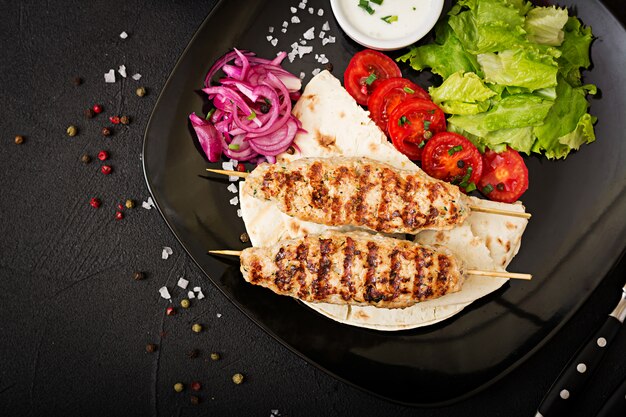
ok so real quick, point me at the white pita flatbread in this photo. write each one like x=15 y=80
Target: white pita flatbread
x=335 y=126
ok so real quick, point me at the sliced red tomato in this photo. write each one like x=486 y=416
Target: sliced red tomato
x=505 y=176
x=412 y=123
x=451 y=157
x=388 y=94
x=365 y=71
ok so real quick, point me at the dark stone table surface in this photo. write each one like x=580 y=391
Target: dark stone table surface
x=74 y=325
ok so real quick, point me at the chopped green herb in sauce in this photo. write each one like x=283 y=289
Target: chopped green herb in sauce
x=365 y=5
x=389 y=19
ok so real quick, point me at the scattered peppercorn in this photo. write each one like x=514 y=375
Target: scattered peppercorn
x=77 y=81
x=196 y=386
x=179 y=387
x=238 y=378
x=500 y=186
x=125 y=120
x=106 y=169
x=103 y=155
x=196 y=328
x=97 y=108
x=170 y=311
x=71 y=130
x=120 y=206
x=138 y=275
x=329 y=67
x=19 y=139
x=129 y=203
x=291 y=150
x=95 y=202
x=195 y=400
x=184 y=303
x=215 y=356
x=140 y=91
x=244 y=237
x=151 y=347
x=89 y=113
x=106 y=131
x=114 y=119
x=85 y=159
x=119 y=215
x=194 y=353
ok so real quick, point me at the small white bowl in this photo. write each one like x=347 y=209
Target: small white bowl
x=368 y=41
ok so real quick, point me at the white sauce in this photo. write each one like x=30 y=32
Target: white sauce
x=411 y=15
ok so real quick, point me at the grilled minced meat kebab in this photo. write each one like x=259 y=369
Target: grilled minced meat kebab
x=359 y=192
x=354 y=268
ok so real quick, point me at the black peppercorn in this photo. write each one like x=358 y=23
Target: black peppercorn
x=244 y=237
x=460 y=163
x=106 y=131
x=89 y=113
x=151 y=347
x=85 y=159
x=124 y=120
x=265 y=108
x=328 y=67
x=138 y=275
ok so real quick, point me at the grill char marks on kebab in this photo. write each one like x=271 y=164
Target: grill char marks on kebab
x=359 y=192
x=353 y=268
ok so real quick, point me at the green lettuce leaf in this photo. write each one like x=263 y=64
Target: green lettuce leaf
x=567 y=124
x=574 y=51
x=519 y=138
x=444 y=58
x=527 y=67
x=462 y=94
x=544 y=25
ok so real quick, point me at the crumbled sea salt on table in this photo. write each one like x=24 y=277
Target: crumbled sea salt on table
x=309 y=34
x=320 y=12
x=196 y=289
x=148 y=204
x=232 y=188
x=322 y=34
x=219 y=315
x=274 y=412
x=200 y=295
x=283 y=30
x=303 y=50
x=302 y=41
x=122 y=70
x=270 y=29
x=274 y=42
x=109 y=77
x=182 y=283
x=293 y=9
x=311 y=10
x=326 y=26
x=136 y=77
x=330 y=39
x=239 y=213
x=227 y=166
x=302 y=5
x=285 y=24
x=191 y=294
x=295 y=19
x=165 y=293
x=302 y=74
x=123 y=35
x=269 y=37
x=315 y=71
x=234 y=201
x=167 y=251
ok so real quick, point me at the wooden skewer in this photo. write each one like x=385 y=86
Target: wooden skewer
x=497 y=274
x=473 y=208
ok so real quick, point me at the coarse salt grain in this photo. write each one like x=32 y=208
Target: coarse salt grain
x=165 y=293
x=295 y=19
x=283 y=30
x=219 y=315
x=239 y=213
x=227 y=166
x=191 y=294
x=270 y=29
x=309 y=34
x=311 y=10
x=122 y=70
x=330 y=39
x=326 y=26
x=269 y=37
x=315 y=71
x=303 y=50
x=182 y=283
x=293 y=9
x=302 y=41
x=196 y=289
x=123 y=35
x=234 y=201
x=302 y=5
x=109 y=77
x=285 y=24
x=200 y=295
x=320 y=12
x=322 y=34
x=167 y=251
x=232 y=188
x=274 y=412
x=136 y=77
x=274 y=42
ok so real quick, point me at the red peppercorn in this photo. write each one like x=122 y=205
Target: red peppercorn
x=95 y=202
x=97 y=108
x=103 y=155
x=120 y=206
x=170 y=311
x=115 y=119
x=196 y=386
x=106 y=169
x=119 y=215
x=241 y=167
